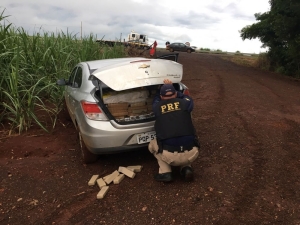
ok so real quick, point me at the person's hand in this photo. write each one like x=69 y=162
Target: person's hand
x=167 y=81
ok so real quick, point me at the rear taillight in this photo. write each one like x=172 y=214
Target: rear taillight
x=186 y=92
x=92 y=111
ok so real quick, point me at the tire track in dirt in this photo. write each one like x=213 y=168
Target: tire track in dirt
x=253 y=180
x=288 y=170
x=252 y=183
x=244 y=196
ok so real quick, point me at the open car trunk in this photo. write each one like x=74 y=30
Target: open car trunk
x=133 y=105
x=125 y=90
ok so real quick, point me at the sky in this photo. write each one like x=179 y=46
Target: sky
x=213 y=24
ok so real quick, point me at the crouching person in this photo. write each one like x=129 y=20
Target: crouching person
x=176 y=143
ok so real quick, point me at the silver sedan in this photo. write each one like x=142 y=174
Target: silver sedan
x=110 y=101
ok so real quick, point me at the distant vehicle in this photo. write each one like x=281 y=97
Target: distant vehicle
x=110 y=101
x=180 y=47
x=141 y=38
x=136 y=43
x=133 y=40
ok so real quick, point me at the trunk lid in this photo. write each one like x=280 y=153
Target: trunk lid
x=133 y=73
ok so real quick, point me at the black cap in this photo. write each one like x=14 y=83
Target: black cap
x=167 y=88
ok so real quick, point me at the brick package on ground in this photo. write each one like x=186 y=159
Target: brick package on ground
x=93 y=179
x=112 y=176
x=101 y=183
x=102 y=192
x=136 y=168
x=126 y=171
x=116 y=177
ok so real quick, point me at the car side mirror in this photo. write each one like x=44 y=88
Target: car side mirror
x=61 y=82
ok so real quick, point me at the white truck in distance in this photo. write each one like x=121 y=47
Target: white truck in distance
x=134 y=39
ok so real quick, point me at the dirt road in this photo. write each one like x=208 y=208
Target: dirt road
x=248 y=171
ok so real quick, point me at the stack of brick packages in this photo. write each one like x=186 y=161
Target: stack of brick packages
x=126 y=109
x=149 y=102
x=137 y=108
x=116 y=177
x=118 y=110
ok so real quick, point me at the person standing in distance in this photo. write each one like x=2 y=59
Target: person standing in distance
x=176 y=143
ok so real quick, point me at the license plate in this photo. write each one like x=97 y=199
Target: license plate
x=146 y=137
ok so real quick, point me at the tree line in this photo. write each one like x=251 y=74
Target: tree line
x=279 y=31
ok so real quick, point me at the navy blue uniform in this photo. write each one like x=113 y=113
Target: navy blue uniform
x=176 y=130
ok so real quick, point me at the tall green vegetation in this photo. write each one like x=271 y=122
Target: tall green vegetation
x=29 y=68
x=279 y=31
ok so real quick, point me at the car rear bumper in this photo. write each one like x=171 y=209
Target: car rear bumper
x=113 y=150
x=101 y=137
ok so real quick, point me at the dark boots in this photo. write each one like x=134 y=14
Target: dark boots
x=187 y=173
x=164 y=177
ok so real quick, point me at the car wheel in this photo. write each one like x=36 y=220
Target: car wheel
x=87 y=156
x=171 y=50
x=189 y=51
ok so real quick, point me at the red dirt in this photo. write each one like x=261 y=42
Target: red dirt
x=248 y=170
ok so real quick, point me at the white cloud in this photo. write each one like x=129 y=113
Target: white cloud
x=211 y=24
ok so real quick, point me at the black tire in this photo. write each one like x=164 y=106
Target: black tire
x=189 y=51
x=87 y=156
x=171 y=50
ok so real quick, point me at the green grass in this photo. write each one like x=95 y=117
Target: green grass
x=30 y=67
x=240 y=59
